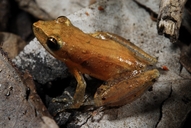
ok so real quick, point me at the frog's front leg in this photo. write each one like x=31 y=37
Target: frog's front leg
x=80 y=89
x=117 y=93
x=78 y=97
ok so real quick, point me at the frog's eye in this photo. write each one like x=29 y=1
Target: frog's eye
x=53 y=44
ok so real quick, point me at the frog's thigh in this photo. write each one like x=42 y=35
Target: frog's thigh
x=80 y=89
x=125 y=91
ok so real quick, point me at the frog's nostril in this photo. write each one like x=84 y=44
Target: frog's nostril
x=37 y=29
x=52 y=43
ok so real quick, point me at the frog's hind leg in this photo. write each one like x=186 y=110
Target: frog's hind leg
x=142 y=55
x=124 y=91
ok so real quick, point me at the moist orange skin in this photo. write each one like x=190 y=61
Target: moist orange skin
x=104 y=56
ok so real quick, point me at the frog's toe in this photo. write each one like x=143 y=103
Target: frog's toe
x=66 y=99
x=60 y=100
x=68 y=103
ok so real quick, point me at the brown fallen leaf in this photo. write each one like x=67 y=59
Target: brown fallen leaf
x=20 y=106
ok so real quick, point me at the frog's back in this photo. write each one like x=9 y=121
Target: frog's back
x=102 y=58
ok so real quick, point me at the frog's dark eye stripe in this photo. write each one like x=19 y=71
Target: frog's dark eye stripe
x=53 y=43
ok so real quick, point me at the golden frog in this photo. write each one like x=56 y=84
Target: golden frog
x=102 y=55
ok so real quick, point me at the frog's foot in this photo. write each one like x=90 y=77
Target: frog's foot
x=68 y=100
x=77 y=100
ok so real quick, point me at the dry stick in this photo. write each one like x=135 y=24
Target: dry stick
x=170 y=18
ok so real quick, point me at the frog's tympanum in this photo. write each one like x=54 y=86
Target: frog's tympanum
x=102 y=55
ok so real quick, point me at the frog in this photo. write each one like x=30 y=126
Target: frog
x=123 y=66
